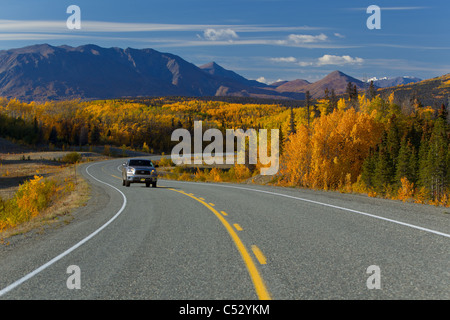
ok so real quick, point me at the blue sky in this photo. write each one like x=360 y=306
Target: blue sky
x=268 y=40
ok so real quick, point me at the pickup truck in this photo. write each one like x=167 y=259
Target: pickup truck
x=139 y=171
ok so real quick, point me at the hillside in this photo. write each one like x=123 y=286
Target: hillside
x=336 y=80
x=431 y=92
x=392 y=82
x=44 y=72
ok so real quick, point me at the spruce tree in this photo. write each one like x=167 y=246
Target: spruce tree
x=437 y=159
x=382 y=173
x=371 y=92
x=368 y=170
x=406 y=163
x=308 y=102
x=291 y=123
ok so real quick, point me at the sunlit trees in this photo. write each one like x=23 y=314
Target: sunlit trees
x=332 y=152
x=350 y=142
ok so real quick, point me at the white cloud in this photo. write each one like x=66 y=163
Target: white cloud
x=219 y=34
x=305 y=64
x=284 y=59
x=262 y=80
x=307 y=38
x=339 y=35
x=329 y=59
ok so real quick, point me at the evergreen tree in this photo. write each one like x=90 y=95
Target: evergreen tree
x=443 y=113
x=333 y=101
x=53 y=138
x=281 y=139
x=371 y=91
x=355 y=92
x=393 y=139
x=94 y=135
x=424 y=167
x=349 y=91
x=406 y=163
x=368 y=170
x=384 y=171
x=437 y=159
x=308 y=102
x=291 y=123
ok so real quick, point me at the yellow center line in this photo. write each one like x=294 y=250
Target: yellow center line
x=103 y=169
x=259 y=255
x=258 y=282
x=222 y=212
x=238 y=227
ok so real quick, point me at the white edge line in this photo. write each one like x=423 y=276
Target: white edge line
x=324 y=204
x=65 y=253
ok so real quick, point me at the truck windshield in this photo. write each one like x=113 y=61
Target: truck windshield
x=142 y=163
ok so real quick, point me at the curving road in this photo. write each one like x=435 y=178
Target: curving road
x=201 y=241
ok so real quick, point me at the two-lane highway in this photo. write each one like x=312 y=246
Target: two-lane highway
x=187 y=240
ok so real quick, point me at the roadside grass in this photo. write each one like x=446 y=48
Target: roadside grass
x=39 y=189
x=232 y=173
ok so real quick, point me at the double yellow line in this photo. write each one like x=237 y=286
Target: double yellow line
x=260 y=287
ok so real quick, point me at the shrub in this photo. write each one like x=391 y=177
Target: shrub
x=166 y=162
x=71 y=157
x=31 y=198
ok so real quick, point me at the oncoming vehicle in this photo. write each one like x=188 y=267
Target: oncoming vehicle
x=139 y=171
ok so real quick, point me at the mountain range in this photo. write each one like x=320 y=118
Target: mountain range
x=45 y=72
x=392 y=82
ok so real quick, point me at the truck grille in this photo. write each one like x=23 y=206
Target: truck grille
x=143 y=172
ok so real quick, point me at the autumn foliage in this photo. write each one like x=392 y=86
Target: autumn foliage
x=32 y=197
x=360 y=143
x=330 y=154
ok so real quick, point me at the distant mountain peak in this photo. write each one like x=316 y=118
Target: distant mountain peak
x=336 y=80
x=215 y=69
x=393 y=81
x=210 y=65
x=44 y=72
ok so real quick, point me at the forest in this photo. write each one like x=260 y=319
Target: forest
x=358 y=143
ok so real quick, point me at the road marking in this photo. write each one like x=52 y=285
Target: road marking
x=65 y=253
x=259 y=255
x=222 y=212
x=258 y=282
x=238 y=227
x=211 y=204
x=116 y=177
x=103 y=169
x=324 y=204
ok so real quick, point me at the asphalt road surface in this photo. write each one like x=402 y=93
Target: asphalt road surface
x=187 y=240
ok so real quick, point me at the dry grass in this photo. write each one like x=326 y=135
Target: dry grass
x=17 y=168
